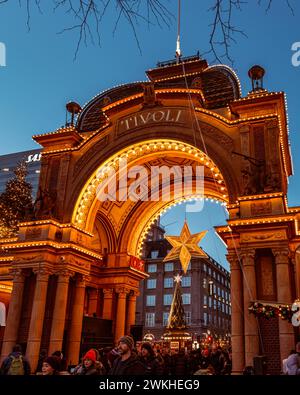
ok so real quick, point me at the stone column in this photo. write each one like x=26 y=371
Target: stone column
x=37 y=316
x=14 y=313
x=107 y=303
x=121 y=313
x=286 y=330
x=250 y=321
x=237 y=315
x=74 y=336
x=59 y=312
x=131 y=311
x=93 y=301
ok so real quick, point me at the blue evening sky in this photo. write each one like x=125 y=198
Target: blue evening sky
x=41 y=75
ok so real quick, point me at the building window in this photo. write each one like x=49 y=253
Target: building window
x=150 y=319
x=205 y=318
x=168 y=299
x=165 y=318
x=186 y=298
x=215 y=289
x=169 y=267
x=152 y=268
x=215 y=304
x=209 y=302
x=189 y=267
x=218 y=277
x=188 y=317
x=214 y=274
x=186 y=281
x=205 y=300
x=219 y=291
x=168 y=282
x=222 y=293
x=204 y=267
x=154 y=254
x=209 y=271
x=150 y=300
x=151 y=283
x=204 y=283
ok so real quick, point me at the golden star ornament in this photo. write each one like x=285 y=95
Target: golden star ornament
x=185 y=246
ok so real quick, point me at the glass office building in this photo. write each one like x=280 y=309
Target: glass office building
x=9 y=162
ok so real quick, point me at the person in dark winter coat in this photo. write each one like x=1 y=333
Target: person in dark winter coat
x=217 y=360
x=51 y=366
x=148 y=358
x=180 y=365
x=90 y=366
x=15 y=364
x=127 y=363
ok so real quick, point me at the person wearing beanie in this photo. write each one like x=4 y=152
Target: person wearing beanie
x=150 y=361
x=127 y=363
x=91 y=365
x=51 y=366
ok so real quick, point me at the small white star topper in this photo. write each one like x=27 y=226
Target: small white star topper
x=177 y=278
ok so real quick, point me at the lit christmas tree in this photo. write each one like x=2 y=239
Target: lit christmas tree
x=176 y=328
x=15 y=202
x=177 y=317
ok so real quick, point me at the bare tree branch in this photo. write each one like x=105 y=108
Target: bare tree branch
x=88 y=16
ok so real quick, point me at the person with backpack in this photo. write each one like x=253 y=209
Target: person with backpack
x=15 y=364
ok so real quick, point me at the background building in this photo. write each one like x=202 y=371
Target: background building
x=205 y=292
x=9 y=162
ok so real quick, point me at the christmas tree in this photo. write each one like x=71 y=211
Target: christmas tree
x=177 y=317
x=15 y=202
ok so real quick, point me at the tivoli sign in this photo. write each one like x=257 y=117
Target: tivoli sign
x=140 y=119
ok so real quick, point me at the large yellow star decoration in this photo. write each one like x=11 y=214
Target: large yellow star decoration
x=185 y=246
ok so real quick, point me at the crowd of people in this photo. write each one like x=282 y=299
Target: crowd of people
x=141 y=359
x=126 y=359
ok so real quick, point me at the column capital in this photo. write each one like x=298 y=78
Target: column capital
x=281 y=254
x=247 y=257
x=133 y=294
x=122 y=291
x=18 y=274
x=234 y=262
x=42 y=273
x=108 y=292
x=81 y=280
x=64 y=275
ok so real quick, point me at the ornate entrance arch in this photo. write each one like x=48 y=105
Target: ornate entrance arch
x=78 y=249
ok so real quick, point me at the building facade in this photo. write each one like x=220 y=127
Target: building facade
x=83 y=244
x=205 y=292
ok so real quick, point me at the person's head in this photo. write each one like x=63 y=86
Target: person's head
x=50 y=366
x=58 y=354
x=89 y=358
x=17 y=348
x=214 y=348
x=126 y=344
x=147 y=350
x=298 y=347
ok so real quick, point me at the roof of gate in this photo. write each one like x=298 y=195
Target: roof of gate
x=219 y=85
